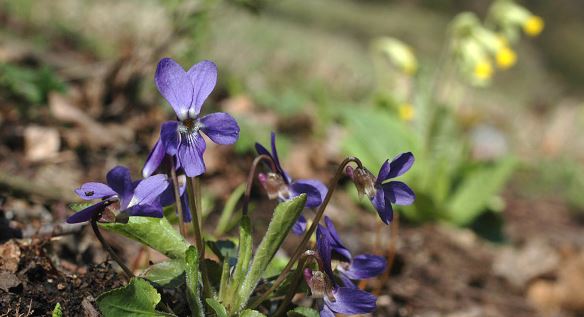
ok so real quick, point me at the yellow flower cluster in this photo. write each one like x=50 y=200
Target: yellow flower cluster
x=533 y=26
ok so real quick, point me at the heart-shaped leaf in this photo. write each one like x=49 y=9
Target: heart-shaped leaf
x=136 y=299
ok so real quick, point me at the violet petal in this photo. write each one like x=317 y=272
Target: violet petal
x=401 y=193
x=326 y=312
x=93 y=190
x=169 y=137
x=337 y=245
x=262 y=150
x=190 y=154
x=276 y=159
x=175 y=86
x=323 y=245
x=154 y=159
x=87 y=213
x=185 y=207
x=400 y=164
x=383 y=172
x=203 y=77
x=351 y=301
x=146 y=210
x=118 y=178
x=365 y=266
x=345 y=280
x=306 y=186
x=382 y=205
x=148 y=190
x=299 y=226
x=220 y=127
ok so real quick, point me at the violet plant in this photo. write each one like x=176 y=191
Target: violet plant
x=231 y=282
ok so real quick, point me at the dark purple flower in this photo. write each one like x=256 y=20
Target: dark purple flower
x=186 y=92
x=381 y=194
x=349 y=268
x=283 y=187
x=341 y=299
x=140 y=198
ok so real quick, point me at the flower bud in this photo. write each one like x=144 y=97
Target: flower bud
x=364 y=181
x=274 y=185
x=319 y=284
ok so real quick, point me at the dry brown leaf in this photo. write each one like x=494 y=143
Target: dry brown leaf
x=41 y=143
x=9 y=256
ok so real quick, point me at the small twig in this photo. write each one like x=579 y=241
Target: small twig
x=52 y=230
x=109 y=249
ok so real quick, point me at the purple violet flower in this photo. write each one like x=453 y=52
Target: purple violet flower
x=139 y=198
x=283 y=187
x=350 y=268
x=340 y=299
x=186 y=92
x=381 y=194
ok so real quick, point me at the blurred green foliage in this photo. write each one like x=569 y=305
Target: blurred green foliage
x=28 y=85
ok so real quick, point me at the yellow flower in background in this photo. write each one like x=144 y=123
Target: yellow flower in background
x=506 y=57
x=406 y=112
x=483 y=70
x=398 y=53
x=533 y=25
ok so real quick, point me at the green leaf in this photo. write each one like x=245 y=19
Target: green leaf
x=303 y=312
x=224 y=283
x=477 y=189
x=156 y=233
x=57 y=312
x=193 y=278
x=243 y=258
x=276 y=266
x=136 y=299
x=217 y=307
x=251 y=313
x=282 y=221
x=166 y=273
x=227 y=213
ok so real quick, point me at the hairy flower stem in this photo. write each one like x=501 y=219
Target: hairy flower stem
x=251 y=177
x=306 y=238
x=195 y=214
x=181 y=221
x=108 y=248
x=194 y=192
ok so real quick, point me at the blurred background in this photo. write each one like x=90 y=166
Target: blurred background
x=486 y=94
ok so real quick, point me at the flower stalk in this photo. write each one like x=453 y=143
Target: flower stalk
x=251 y=177
x=108 y=248
x=194 y=192
x=181 y=221
x=306 y=238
